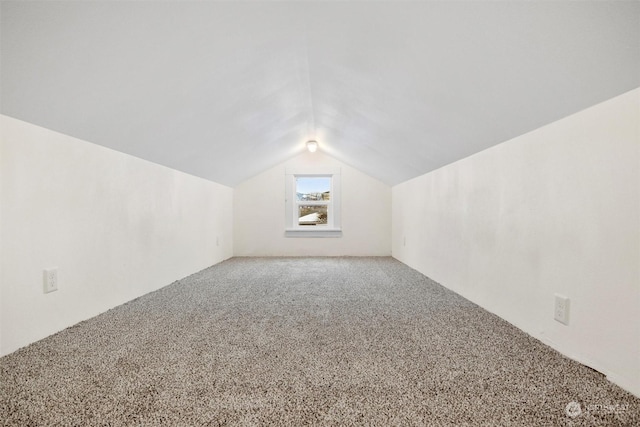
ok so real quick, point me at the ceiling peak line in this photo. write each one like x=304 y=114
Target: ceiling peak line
x=311 y=124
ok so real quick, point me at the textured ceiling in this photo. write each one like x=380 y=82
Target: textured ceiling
x=225 y=90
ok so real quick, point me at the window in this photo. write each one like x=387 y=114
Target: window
x=313 y=204
x=313 y=200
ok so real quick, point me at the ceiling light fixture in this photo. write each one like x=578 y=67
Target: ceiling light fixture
x=312 y=146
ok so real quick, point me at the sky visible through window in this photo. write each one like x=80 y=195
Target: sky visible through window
x=313 y=185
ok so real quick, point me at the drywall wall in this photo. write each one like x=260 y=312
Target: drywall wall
x=556 y=210
x=115 y=226
x=259 y=213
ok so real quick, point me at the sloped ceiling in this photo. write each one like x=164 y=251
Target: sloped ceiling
x=225 y=90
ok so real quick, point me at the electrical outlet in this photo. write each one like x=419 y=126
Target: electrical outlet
x=217 y=241
x=404 y=241
x=561 y=310
x=50 y=280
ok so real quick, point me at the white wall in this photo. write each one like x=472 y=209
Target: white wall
x=116 y=227
x=259 y=214
x=554 y=211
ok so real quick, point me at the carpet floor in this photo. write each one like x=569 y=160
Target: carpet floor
x=303 y=341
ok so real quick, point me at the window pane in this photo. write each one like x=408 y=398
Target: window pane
x=312 y=215
x=313 y=188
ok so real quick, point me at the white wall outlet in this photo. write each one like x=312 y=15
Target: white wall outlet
x=561 y=310
x=404 y=241
x=50 y=280
x=217 y=240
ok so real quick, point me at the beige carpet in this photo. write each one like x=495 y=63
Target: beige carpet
x=303 y=341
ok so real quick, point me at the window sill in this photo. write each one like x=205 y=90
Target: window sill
x=323 y=232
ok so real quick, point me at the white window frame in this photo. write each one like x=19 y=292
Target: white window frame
x=333 y=228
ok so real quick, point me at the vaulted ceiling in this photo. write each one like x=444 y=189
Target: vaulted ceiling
x=225 y=90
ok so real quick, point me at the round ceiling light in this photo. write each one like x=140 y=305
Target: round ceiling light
x=312 y=146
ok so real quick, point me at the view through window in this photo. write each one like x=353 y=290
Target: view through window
x=313 y=199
